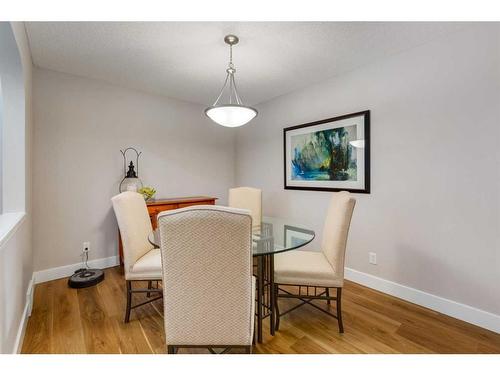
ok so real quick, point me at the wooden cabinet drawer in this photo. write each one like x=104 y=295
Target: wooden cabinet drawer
x=181 y=205
x=155 y=210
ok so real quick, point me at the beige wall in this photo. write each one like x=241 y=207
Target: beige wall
x=433 y=216
x=80 y=127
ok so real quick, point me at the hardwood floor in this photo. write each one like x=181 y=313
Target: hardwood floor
x=90 y=320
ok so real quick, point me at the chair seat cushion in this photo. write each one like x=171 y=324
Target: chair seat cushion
x=305 y=268
x=147 y=267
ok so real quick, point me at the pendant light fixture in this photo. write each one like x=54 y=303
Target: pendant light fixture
x=231 y=113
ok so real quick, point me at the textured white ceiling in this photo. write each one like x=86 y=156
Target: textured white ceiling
x=187 y=60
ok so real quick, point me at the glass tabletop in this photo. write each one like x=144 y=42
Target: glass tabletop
x=274 y=236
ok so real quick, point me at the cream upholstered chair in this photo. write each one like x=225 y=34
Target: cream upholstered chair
x=207 y=257
x=323 y=269
x=248 y=198
x=141 y=261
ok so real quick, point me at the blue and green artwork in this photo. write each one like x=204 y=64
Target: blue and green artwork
x=325 y=155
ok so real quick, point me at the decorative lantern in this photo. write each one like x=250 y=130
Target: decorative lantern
x=131 y=181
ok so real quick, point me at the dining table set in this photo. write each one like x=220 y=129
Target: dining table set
x=225 y=268
x=271 y=237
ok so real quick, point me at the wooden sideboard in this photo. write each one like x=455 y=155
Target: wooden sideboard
x=155 y=206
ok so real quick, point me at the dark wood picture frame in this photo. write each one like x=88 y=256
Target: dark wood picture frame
x=366 y=189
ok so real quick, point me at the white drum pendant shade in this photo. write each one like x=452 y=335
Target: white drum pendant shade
x=233 y=113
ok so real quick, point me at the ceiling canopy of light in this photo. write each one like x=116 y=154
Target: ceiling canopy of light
x=228 y=109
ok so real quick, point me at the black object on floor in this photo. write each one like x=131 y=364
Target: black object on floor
x=84 y=278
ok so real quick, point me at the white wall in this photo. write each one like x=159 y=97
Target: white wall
x=433 y=216
x=16 y=269
x=16 y=260
x=13 y=148
x=80 y=127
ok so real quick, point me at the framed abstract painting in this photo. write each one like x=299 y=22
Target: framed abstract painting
x=329 y=155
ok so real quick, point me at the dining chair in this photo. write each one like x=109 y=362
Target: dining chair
x=207 y=256
x=323 y=269
x=248 y=198
x=142 y=262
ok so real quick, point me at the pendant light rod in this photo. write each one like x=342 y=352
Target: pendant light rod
x=221 y=91
x=231 y=40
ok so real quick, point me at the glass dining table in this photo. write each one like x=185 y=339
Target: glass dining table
x=273 y=236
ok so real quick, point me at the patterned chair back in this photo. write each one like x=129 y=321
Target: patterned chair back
x=207 y=276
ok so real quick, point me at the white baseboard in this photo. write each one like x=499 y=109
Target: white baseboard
x=24 y=319
x=65 y=271
x=29 y=295
x=445 y=306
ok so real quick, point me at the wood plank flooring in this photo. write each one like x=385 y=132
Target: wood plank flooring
x=90 y=320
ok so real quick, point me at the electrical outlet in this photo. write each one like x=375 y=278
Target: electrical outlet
x=372 y=258
x=86 y=247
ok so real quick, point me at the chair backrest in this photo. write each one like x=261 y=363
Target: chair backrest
x=336 y=229
x=248 y=198
x=207 y=275
x=135 y=226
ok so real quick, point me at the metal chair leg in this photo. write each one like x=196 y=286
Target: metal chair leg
x=150 y=286
x=260 y=292
x=339 y=310
x=277 y=314
x=272 y=295
x=129 y=302
x=308 y=299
